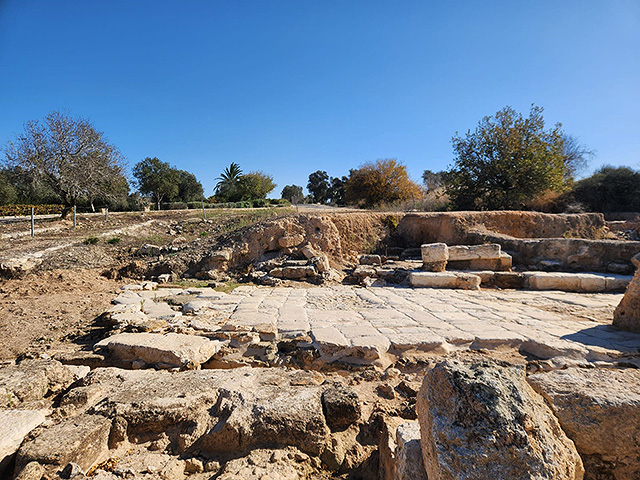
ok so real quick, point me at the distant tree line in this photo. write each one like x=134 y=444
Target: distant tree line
x=508 y=162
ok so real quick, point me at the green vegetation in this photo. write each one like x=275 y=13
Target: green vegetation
x=91 y=240
x=609 y=189
x=114 y=241
x=509 y=160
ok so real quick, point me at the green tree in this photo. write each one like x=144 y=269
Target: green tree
x=291 y=192
x=610 y=189
x=255 y=185
x=337 y=190
x=385 y=181
x=189 y=188
x=506 y=162
x=433 y=180
x=156 y=178
x=8 y=194
x=319 y=187
x=226 y=189
x=66 y=156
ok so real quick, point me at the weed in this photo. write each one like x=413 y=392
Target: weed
x=204 y=234
x=91 y=240
x=113 y=241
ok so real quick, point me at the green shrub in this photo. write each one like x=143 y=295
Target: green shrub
x=91 y=240
x=113 y=241
x=259 y=202
x=174 y=206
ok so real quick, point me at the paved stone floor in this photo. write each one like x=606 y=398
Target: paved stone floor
x=363 y=324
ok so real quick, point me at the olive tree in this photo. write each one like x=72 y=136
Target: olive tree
x=69 y=157
x=509 y=160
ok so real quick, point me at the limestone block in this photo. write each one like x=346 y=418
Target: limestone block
x=308 y=251
x=555 y=281
x=635 y=260
x=474 y=252
x=370 y=260
x=599 y=410
x=14 y=427
x=627 y=314
x=409 y=463
x=508 y=280
x=341 y=407
x=363 y=271
x=31 y=381
x=464 y=281
x=149 y=249
x=82 y=440
x=195 y=306
x=481 y=420
x=592 y=283
x=290 y=241
x=434 y=256
x=322 y=263
x=617 y=283
x=172 y=349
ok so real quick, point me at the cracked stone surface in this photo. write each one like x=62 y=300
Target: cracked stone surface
x=363 y=325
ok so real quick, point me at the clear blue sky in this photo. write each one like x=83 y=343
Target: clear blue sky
x=290 y=87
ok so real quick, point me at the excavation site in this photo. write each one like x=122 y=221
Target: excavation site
x=305 y=343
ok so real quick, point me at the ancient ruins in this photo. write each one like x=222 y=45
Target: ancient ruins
x=464 y=345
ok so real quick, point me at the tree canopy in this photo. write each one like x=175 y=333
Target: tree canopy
x=156 y=178
x=610 y=189
x=189 y=188
x=291 y=192
x=385 y=181
x=68 y=157
x=234 y=186
x=507 y=161
x=319 y=186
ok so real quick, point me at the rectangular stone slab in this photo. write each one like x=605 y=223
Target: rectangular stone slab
x=474 y=252
x=14 y=427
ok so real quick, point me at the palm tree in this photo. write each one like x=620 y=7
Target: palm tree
x=228 y=180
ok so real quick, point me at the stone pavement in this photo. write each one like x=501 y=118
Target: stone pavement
x=366 y=325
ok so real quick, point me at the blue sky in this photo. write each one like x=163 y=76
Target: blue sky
x=290 y=87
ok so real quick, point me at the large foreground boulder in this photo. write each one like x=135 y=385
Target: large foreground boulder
x=627 y=314
x=600 y=411
x=481 y=420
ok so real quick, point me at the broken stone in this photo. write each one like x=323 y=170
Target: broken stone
x=465 y=281
x=308 y=251
x=341 y=407
x=14 y=427
x=627 y=314
x=434 y=256
x=172 y=349
x=31 y=380
x=483 y=417
x=408 y=453
x=290 y=241
x=370 y=260
x=293 y=273
x=598 y=409
x=33 y=471
x=195 y=306
x=82 y=440
x=322 y=263
x=364 y=271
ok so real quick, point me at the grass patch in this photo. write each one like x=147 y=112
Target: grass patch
x=91 y=240
x=193 y=283
x=113 y=241
x=227 y=287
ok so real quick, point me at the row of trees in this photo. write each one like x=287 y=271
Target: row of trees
x=507 y=162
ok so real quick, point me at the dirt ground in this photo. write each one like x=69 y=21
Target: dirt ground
x=54 y=307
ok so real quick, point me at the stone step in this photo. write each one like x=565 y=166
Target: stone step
x=461 y=280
